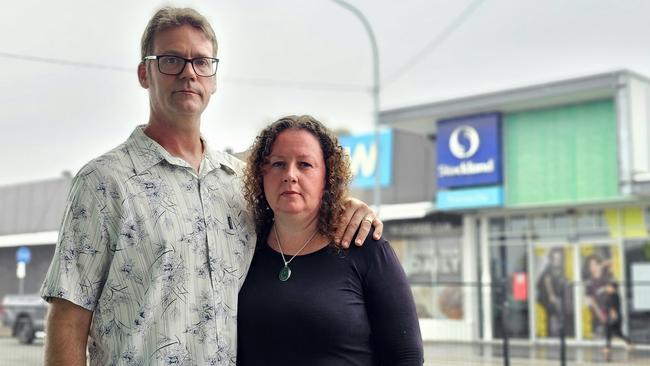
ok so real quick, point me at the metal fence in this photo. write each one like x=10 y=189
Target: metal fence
x=503 y=323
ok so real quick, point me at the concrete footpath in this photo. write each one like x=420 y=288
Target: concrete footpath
x=5 y=331
x=437 y=353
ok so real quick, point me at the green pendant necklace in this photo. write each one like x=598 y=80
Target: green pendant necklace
x=285 y=272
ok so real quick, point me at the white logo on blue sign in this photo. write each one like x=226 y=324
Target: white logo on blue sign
x=468 y=146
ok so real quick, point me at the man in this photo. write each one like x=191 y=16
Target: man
x=156 y=239
x=614 y=321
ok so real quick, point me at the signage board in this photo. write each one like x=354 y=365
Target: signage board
x=520 y=286
x=469 y=151
x=23 y=255
x=469 y=198
x=365 y=158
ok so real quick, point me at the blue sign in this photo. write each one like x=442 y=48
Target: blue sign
x=469 y=198
x=365 y=158
x=24 y=255
x=469 y=151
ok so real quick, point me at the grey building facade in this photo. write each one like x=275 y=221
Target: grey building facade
x=30 y=215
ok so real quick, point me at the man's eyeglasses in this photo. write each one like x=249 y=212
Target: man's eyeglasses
x=174 y=65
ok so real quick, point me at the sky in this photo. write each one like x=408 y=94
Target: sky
x=69 y=90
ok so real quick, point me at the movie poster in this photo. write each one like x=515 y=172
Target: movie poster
x=554 y=303
x=600 y=264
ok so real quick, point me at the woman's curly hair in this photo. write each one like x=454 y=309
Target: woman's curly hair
x=337 y=174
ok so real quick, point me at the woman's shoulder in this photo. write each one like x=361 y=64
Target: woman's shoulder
x=371 y=247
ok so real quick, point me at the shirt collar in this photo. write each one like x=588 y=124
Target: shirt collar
x=145 y=153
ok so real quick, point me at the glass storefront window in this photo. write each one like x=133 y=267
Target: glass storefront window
x=433 y=266
x=637 y=299
x=541 y=223
x=507 y=313
x=588 y=219
x=550 y=226
x=591 y=223
x=518 y=224
x=560 y=222
x=497 y=225
x=431 y=255
x=590 y=247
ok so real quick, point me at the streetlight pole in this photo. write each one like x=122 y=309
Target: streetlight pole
x=375 y=97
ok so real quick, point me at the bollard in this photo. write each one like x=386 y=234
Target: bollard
x=504 y=325
x=562 y=329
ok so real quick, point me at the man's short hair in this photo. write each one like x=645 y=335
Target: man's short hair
x=169 y=17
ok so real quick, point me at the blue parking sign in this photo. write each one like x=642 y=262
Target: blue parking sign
x=24 y=255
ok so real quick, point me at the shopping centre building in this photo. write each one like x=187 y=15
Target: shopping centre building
x=509 y=210
x=534 y=199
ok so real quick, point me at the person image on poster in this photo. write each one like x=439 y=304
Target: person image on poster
x=596 y=275
x=553 y=293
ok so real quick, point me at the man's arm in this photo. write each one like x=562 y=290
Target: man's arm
x=359 y=216
x=67 y=333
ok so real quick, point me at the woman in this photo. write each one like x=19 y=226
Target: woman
x=614 y=318
x=305 y=301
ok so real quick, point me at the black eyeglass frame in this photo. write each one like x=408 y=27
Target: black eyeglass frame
x=190 y=60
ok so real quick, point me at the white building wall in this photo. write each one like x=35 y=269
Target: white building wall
x=633 y=115
x=639 y=122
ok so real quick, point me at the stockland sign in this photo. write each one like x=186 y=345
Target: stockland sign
x=367 y=158
x=469 y=151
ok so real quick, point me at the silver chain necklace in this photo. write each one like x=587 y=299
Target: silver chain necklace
x=285 y=272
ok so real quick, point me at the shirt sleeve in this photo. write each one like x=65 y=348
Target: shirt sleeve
x=391 y=309
x=82 y=256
